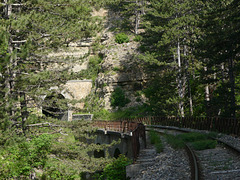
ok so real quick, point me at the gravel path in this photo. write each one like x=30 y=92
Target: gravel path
x=219 y=163
x=216 y=164
x=168 y=165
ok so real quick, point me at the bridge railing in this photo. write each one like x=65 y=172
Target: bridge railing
x=134 y=129
x=119 y=126
x=222 y=125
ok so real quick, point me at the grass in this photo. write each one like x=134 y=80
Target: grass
x=197 y=140
x=155 y=139
x=174 y=142
x=204 y=144
x=191 y=137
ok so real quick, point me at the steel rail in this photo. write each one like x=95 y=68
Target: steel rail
x=195 y=168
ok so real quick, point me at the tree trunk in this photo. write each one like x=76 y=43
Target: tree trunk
x=207 y=95
x=137 y=17
x=180 y=83
x=232 y=86
x=24 y=112
x=187 y=81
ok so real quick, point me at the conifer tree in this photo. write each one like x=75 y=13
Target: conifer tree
x=32 y=29
x=130 y=13
x=171 y=29
x=29 y=30
x=219 y=50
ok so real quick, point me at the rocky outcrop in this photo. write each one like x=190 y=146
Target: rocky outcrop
x=120 y=68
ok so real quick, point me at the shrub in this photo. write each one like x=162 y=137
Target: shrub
x=102 y=114
x=190 y=137
x=93 y=67
x=176 y=143
x=155 y=139
x=198 y=141
x=204 y=144
x=19 y=160
x=137 y=38
x=159 y=147
x=121 y=38
x=116 y=170
x=118 y=98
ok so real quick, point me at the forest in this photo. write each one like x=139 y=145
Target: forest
x=188 y=48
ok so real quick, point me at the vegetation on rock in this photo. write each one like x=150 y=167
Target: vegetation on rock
x=188 y=59
x=121 y=38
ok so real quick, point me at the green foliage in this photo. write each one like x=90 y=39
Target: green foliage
x=95 y=105
x=116 y=69
x=116 y=170
x=93 y=68
x=56 y=170
x=137 y=38
x=161 y=103
x=118 y=98
x=198 y=140
x=214 y=135
x=3 y=44
x=204 y=144
x=121 y=38
x=97 y=46
x=176 y=143
x=191 y=137
x=20 y=159
x=102 y=114
x=155 y=139
x=128 y=11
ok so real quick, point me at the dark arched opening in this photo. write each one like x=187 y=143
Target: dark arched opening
x=99 y=153
x=55 y=106
x=116 y=153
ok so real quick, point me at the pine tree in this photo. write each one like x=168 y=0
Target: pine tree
x=171 y=30
x=130 y=12
x=33 y=28
x=29 y=31
x=219 y=52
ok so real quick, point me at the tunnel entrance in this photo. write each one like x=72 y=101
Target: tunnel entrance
x=55 y=106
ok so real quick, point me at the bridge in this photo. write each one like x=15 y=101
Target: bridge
x=133 y=137
x=131 y=134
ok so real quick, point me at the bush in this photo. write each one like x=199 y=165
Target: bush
x=159 y=147
x=93 y=67
x=204 y=144
x=155 y=139
x=20 y=160
x=137 y=38
x=197 y=140
x=191 y=137
x=175 y=142
x=118 y=98
x=121 y=38
x=102 y=114
x=116 y=170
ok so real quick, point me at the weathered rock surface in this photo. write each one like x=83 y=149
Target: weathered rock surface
x=120 y=68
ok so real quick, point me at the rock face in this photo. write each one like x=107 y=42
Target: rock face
x=120 y=68
x=78 y=89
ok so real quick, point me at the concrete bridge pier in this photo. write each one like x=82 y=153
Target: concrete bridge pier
x=124 y=147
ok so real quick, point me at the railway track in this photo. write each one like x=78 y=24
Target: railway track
x=221 y=162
